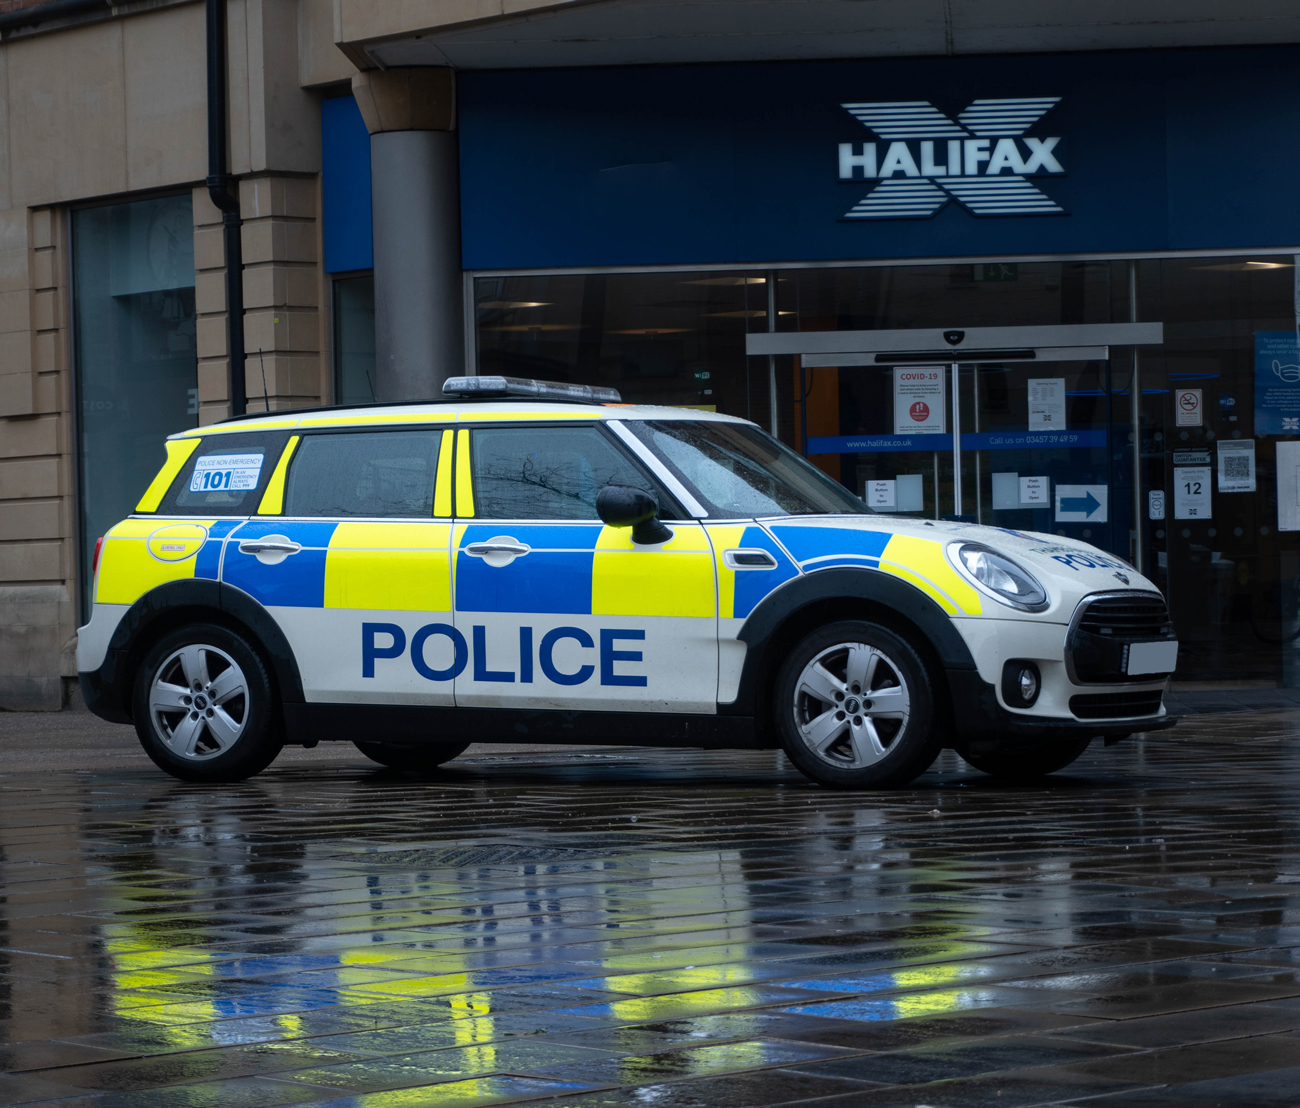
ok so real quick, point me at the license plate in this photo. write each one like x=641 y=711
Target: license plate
x=1152 y=657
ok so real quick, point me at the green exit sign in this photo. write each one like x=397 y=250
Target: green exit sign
x=702 y=374
x=997 y=271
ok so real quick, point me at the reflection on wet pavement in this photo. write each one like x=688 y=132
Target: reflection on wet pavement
x=602 y=929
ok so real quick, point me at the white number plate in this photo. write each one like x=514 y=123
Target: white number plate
x=236 y=472
x=1152 y=657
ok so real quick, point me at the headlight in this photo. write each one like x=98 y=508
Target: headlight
x=999 y=576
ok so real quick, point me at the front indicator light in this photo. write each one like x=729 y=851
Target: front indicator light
x=999 y=576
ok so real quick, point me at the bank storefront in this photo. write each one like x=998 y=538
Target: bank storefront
x=1046 y=293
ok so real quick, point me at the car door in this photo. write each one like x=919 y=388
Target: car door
x=350 y=553
x=556 y=610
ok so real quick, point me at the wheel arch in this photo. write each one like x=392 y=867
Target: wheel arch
x=173 y=605
x=785 y=616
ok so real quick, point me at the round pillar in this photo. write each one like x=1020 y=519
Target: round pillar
x=415 y=186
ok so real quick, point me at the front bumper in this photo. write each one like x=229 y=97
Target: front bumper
x=980 y=719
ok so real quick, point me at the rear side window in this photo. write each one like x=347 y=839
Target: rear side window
x=225 y=476
x=547 y=472
x=371 y=474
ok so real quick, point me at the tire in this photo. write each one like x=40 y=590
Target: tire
x=204 y=705
x=1028 y=764
x=838 y=737
x=415 y=759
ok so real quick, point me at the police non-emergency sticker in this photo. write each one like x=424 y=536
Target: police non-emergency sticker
x=226 y=472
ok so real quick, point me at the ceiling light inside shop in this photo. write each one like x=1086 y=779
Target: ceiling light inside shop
x=1243 y=267
x=728 y=281
x=652 y=331
x=753 y=313
x=514 y=304
x=534 y=327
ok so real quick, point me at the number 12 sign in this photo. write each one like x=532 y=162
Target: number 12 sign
x=1192 y=492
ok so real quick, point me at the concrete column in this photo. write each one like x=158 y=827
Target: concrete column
x=415 y=184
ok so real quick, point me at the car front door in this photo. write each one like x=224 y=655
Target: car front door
x=349 y=552
x=555 y=610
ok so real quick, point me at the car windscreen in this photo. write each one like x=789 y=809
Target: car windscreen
x=736 y=470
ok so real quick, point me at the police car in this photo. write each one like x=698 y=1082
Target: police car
x=527 y=561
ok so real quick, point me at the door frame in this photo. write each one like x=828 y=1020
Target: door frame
x=954 y=347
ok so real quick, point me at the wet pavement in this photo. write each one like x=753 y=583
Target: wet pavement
x=598 y=928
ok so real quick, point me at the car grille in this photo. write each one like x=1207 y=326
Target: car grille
x=1122 y=705
x=1137 y=618
x=1095 y=650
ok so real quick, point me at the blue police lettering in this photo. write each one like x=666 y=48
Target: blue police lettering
x=481 y=671
x=373 y=648
x=583 y=673
x=1089 y=561
x=370 y=651
x=460 y=652
x=608 y=656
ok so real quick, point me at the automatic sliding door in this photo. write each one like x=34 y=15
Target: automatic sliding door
x=895 y=447
x=1037 y=451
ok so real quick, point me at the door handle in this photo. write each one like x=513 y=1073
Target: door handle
x=270 y=550
x=269 y=546
x=748 y=559
x=482 y=549
x=498 y=551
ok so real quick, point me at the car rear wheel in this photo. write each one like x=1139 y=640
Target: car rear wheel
x=203 y=706
x=416 y=759
x=855 y=707
x=1020 y=764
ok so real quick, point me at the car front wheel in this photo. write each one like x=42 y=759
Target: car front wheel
x=203 y=706
x=855 y=707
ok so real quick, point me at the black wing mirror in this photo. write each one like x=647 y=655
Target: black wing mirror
x=624 y=506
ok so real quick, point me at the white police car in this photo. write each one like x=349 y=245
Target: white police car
x=534 y=562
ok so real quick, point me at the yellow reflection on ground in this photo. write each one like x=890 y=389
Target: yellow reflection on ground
x=694 y=977
x=683 y=1004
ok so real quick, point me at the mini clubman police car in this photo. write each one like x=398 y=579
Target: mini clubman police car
x=525 y=561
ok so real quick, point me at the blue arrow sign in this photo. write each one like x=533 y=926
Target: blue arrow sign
x=1086 y=504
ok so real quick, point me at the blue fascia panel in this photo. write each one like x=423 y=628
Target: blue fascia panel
x=345 y=186
x=683 y=165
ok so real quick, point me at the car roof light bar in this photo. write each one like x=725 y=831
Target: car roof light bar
x=485 y=386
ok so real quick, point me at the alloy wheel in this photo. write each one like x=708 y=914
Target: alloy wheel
x=852 y=702
x=199 y=702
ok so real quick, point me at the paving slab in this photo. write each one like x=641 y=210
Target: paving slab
x=601 y=927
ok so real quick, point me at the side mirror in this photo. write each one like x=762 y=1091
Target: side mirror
x=624 y=506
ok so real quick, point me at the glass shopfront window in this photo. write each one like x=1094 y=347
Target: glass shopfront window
x=659 y=338
x=1218 y=527
x=354 y=339
x=136 y=358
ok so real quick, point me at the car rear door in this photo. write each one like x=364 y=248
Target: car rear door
x=556 y=610
x=349 y=552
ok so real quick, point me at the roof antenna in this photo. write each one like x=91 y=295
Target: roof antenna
x=266 y=400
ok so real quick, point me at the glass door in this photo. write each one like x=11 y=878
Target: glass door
x=1039 y=450
x=896 y=442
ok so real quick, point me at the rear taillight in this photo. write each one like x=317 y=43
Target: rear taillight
x=94 y=558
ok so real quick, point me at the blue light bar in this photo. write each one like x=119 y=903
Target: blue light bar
x=477 y=387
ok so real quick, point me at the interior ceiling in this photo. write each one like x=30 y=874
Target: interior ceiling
x=631 y=32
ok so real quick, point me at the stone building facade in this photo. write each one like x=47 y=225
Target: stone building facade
x=113 y=313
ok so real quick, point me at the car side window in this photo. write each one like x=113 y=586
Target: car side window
x=226 y=475
x=546 y=472
x=378 y=474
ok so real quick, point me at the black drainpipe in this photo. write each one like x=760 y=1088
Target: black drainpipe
x=219 y=183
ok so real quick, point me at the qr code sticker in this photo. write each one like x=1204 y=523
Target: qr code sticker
x=1236 y=468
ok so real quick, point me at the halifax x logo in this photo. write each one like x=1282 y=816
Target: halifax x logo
x=920 y=192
